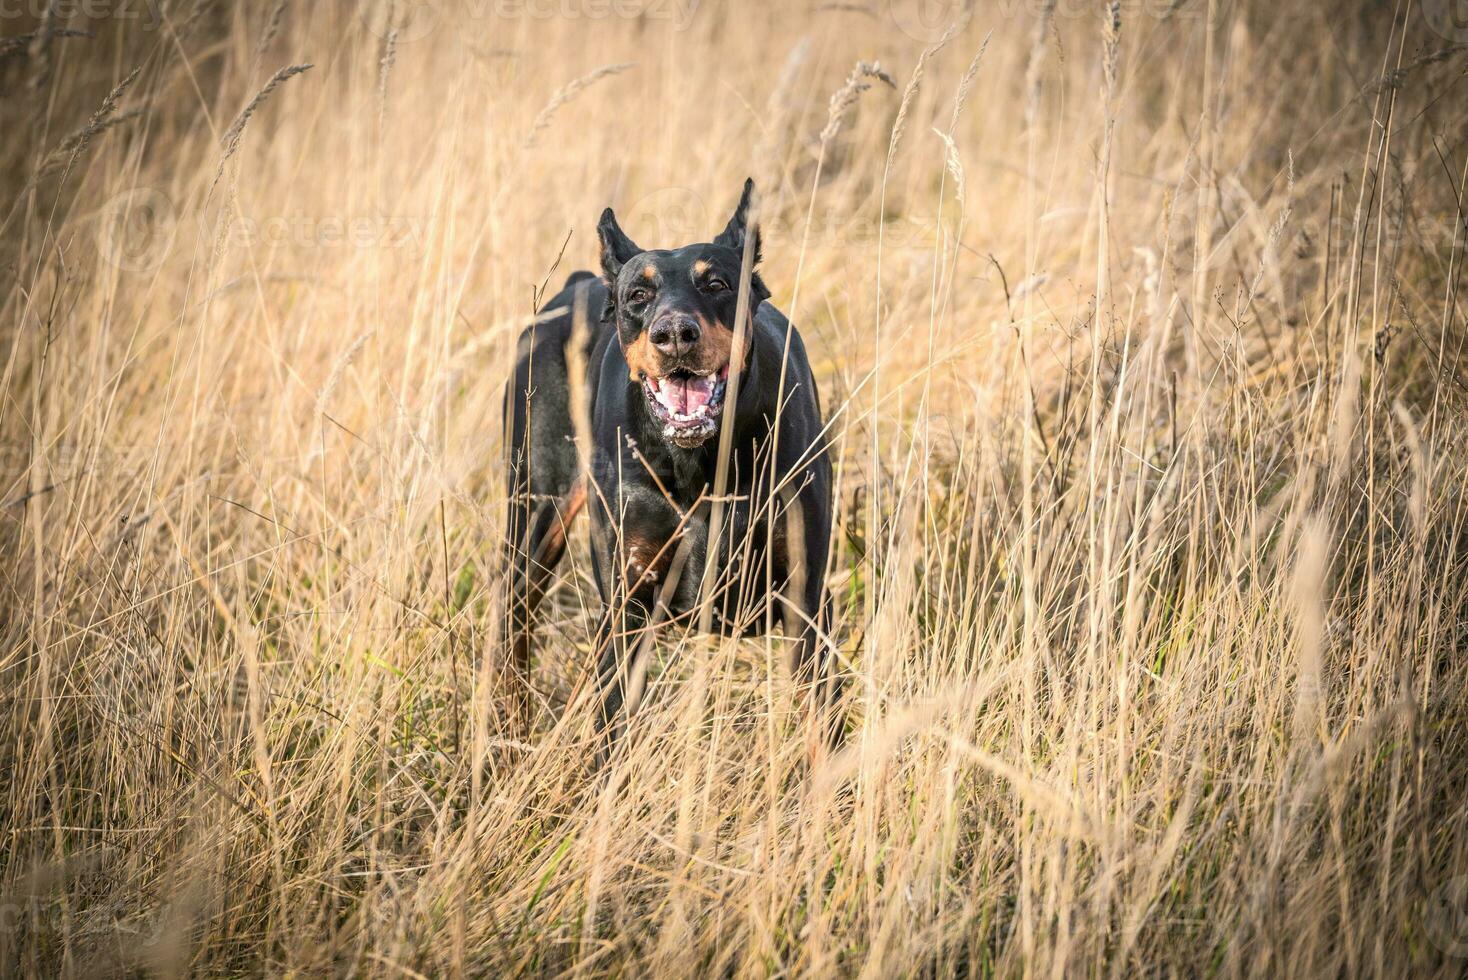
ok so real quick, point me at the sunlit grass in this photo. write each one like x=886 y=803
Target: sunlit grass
x=1151 y=529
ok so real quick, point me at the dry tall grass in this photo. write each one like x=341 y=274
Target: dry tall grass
x=1145 y=365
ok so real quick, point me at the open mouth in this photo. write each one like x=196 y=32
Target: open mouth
x=688 y=405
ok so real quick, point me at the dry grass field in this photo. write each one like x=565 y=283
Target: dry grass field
x=1141 y=327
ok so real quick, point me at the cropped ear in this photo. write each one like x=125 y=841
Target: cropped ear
x=616 y=247
x=735 y=231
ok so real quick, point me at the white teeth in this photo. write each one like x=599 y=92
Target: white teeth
x=701 y=411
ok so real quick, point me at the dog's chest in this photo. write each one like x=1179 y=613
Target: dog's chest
x=750 y=546
x=741 y=542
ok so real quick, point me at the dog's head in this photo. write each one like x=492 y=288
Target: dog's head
x=675 y=314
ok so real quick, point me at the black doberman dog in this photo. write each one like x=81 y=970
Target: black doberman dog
x=661 y=351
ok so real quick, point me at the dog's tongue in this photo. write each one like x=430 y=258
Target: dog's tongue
x=686 y=395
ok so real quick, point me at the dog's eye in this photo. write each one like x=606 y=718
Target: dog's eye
x=716 y=285
x=638 y=295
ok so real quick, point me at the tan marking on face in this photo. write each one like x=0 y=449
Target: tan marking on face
x=700 y=267
x=715 y=347
x=649 y=272
x=642 y=358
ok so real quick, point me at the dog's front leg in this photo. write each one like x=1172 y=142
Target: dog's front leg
x=649 y=568
x=807 y=614
x=817 y=676
x=623 y=645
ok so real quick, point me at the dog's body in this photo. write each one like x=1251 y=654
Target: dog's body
x=658 y=350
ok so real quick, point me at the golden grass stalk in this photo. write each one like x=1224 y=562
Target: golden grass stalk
x=845 y=98
x=568 y=92
x=230 y=141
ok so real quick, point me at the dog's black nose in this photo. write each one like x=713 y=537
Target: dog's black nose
x=674 y=336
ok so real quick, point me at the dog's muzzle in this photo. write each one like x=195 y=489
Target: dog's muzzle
x=687 y=405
